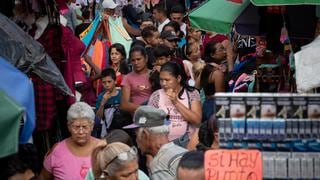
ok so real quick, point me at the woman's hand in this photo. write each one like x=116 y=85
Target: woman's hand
x=172 y=95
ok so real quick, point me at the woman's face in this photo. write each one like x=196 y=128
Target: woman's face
x=195 y=53
x=115 y=56
x=139 y=62
x=80 y=130
x=128 y=172
x=195 y=34
x=220 y=53
x=168 y=81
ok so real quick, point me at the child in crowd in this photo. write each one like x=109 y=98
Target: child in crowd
x=162 y=54
x=151 y=37
x=108 y=101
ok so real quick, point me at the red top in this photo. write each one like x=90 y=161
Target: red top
x=118 y=80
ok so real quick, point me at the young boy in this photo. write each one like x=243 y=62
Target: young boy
x=108 y=101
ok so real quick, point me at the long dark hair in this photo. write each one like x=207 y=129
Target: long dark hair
x=205 y=75
x=175 y=70
x=123 y=64
x=209 y=49
x=120 y=48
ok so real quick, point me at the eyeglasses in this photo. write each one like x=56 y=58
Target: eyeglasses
x=77 y=128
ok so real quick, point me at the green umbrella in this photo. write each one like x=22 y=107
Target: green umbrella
x=11 y=114
x=284 y=2
x=217 y=15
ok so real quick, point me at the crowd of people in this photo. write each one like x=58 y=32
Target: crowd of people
x=155 y=116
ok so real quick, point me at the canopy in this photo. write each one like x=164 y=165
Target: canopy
x=25 y=53
x=17 y=86
x=11 y=114
x=217 y=15
x=284 y=2
x=220 y=15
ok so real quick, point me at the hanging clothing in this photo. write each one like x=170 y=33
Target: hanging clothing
x=118 y=34
x=45 y=103
x=52 y=45
x=73 y=48
x=45 y=93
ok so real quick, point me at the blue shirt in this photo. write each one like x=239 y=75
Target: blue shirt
x=113 y=101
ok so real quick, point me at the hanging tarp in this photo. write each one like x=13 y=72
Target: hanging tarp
x=217 y=15
x=26 y=54
x=220 y=16
x=11 y=114
x=87 y=35
x=285 y=2
x=19 y=87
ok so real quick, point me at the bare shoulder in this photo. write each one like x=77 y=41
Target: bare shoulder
x=218 y=73
x=99 y=142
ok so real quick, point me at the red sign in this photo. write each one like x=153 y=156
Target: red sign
x=233 y=165
x=236 y=1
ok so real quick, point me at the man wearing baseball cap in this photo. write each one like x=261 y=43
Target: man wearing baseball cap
x=171 y=40
x=152 y=138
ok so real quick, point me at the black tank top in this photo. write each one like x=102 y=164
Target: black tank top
x=209 y=89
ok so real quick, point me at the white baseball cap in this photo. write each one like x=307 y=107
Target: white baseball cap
x=109 y=4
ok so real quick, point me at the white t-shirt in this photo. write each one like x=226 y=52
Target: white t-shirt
x=160 y=26
x=183 y=28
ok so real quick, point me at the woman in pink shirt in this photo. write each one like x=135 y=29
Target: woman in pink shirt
x=136 y=88
x=180 y=101
x=71 y=158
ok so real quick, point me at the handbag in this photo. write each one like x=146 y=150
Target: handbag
x=183 y=140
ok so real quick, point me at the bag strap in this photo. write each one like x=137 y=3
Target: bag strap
x=189 y=103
